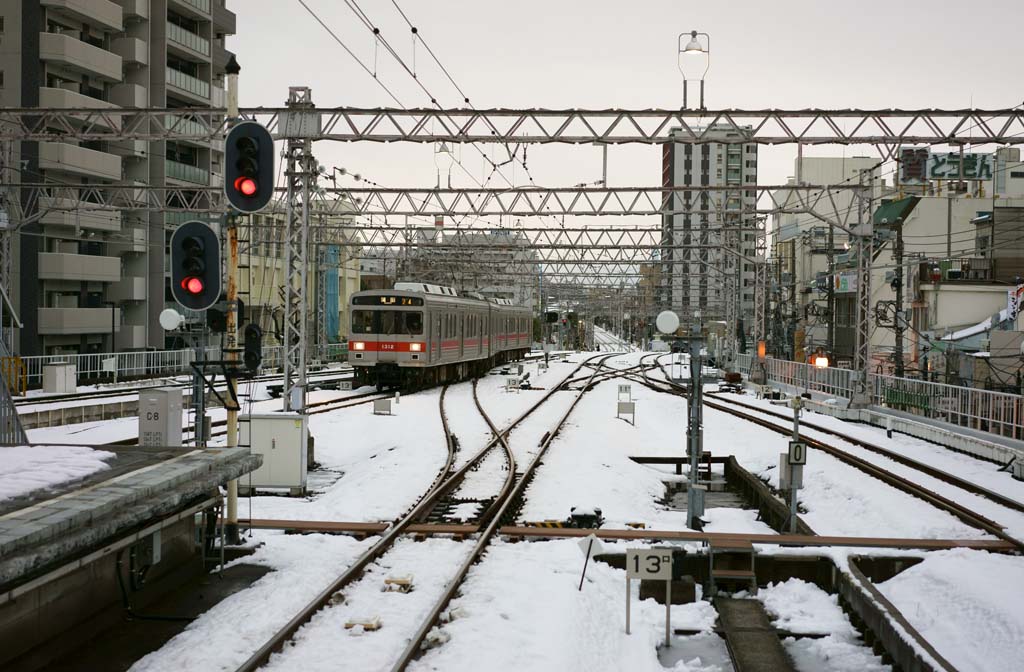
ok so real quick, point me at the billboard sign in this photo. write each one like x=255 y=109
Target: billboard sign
x=918 y=165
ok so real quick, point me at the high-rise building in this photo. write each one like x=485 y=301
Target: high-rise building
x=75 y=269
x=693 y=278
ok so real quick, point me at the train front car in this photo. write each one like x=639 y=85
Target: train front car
x=387 y=343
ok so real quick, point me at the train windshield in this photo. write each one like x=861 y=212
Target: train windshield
x=387 y=322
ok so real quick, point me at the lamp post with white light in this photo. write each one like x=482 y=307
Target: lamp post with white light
x=689 y=60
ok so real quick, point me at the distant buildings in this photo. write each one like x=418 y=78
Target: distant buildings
x=692 y=278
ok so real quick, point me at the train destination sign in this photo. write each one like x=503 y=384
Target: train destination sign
x=385 y=300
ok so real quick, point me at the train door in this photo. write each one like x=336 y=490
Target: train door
x=435 y=337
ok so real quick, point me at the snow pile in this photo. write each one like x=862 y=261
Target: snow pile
x=967 y=605
x=804 y=608
x=27 y=468
x=528 y=594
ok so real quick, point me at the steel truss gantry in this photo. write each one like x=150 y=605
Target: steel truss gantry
x=819 y=201
x=883 y=128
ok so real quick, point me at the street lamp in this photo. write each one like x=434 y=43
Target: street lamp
x=689 y=60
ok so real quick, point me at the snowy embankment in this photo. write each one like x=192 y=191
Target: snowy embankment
x=24 y=469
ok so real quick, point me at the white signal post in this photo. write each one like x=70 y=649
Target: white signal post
x=231 y=323
x=652 y=564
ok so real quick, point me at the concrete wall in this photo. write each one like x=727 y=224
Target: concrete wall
x=61 y=615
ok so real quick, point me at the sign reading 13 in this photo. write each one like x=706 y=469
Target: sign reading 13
x=645 y=563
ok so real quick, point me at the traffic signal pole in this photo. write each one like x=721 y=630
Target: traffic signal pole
x=231 y=319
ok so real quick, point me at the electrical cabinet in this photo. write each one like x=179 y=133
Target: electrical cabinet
x=160 y=417
x=59 y=378
x=281 y=438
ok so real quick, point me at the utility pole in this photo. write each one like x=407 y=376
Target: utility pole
x=898 y=282
x=231 y=325
x=830 y=294
x=695 y=435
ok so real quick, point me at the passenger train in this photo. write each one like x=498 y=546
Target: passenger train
x=418 y=334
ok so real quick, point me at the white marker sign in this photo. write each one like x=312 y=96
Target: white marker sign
x=644 y=563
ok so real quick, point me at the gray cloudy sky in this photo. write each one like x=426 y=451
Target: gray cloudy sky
x=618 y=53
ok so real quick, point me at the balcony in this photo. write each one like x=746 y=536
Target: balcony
x=136 y=149
x=194 y=44
x=93 y=12
x=131 y=337
x=64 y=157
x=78 y=267
x=79 y=56
x=128 y=289
x=132 y=50
x=129 y=95
x=62 y=212
x=187 y=173
x=975 y=269
x=58 y=321
x=223 y=19
x=136 y=9
x=63 y=99
x=136 y=243
x=182 y=127
x=188 y=84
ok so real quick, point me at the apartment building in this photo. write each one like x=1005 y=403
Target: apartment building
x=693 y=277
x=77 y=268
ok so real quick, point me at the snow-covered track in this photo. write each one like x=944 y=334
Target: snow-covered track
x=963 y=513
x=438 y=489
x=415 y=645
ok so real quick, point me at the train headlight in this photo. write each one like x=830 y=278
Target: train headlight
x=415 y=347
x=358 y=345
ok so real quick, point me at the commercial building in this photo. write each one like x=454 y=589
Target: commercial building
x=692 y=260
x=75 y=268
x=332 y=277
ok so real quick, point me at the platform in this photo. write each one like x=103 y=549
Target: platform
x=45 y=528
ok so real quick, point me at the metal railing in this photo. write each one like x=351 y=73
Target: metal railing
x=11 y=431
x=994 y=412
x=157 y=363
x=186 y=82
x=187 y=172
x=187 y=38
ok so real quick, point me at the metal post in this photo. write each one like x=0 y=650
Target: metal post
x=898 y=350
x=865 y=251
x=199 y=394
x=300 y=167
x=830 y=300
x=694 y=432
x=230 y=530
x=628 y=591
x=797 y=405
x=231 y=355
x=668 y=613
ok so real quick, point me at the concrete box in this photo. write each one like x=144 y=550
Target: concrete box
x=282 y=439
x=60 y=378
x=160 y=417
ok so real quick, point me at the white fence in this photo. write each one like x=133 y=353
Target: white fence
x=157 y=363
x=996 y=412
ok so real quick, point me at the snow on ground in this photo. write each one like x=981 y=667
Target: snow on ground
x=967 y=605
x=799 y=607
x=383 y=462
x=520 y=610
x=955 y=463
x=325 y=644
x=465 y=422
x=27 y=468
x=105 y=431
x=588 y=463
x=839 y=499
x=225 y=636
x=984 y=473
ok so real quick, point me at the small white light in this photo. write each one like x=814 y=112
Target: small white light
x=358 y=345
x=821 y=362
x=416 y=347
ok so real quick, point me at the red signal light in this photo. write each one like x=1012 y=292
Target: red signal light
x=246 y=186
x=192 y=285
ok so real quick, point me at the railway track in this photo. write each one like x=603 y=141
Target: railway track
x=902 y=483
x=446 y=482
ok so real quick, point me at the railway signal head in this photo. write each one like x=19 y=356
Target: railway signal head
x=252 y=355
x=249 y=167
x=195 y=266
